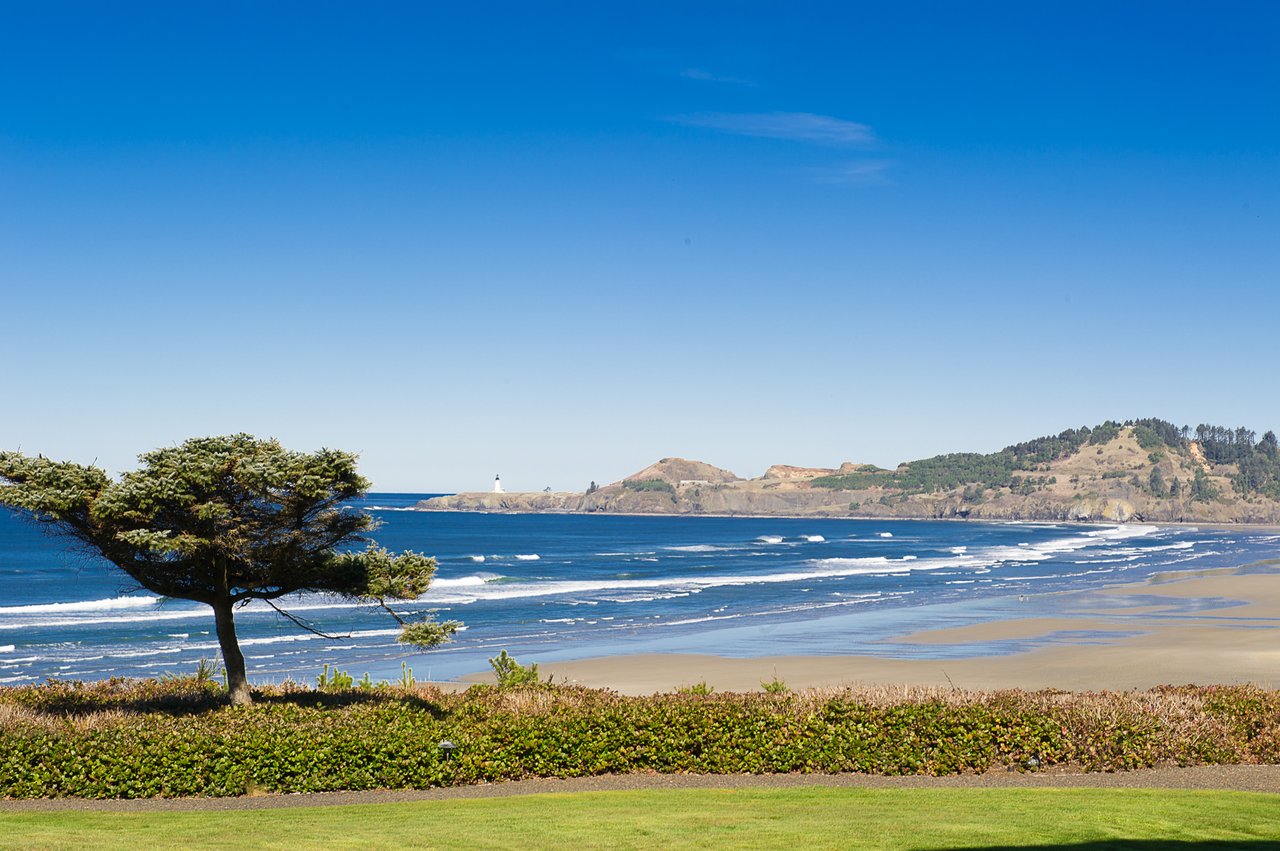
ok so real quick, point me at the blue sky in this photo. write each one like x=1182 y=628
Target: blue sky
x=560 y=241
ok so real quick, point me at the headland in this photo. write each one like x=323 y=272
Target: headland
x=1142 y=470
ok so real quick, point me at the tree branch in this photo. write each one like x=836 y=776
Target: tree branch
x=301 y=623
x=389 y=611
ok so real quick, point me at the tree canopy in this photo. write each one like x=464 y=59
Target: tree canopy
x=225 y=520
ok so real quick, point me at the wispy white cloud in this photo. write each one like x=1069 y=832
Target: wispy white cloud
x=708 y=77
x=858 y=173
x=796 y=126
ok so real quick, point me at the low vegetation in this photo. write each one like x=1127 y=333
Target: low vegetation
x=808 y=817
x=654 y=485
x=128 y=739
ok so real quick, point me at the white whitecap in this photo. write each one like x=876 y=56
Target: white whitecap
x=770 y=539
x=529 y=557
x=477 y=558
x=814 y=539
x=886 y=534
x=464 y=581
x=822 y=568
x=81 y=606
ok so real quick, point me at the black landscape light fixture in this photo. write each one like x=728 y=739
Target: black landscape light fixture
x=448 y=748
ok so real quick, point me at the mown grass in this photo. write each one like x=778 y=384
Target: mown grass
x=809 y=817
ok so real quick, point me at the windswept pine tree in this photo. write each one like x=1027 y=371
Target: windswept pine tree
x=225 y=520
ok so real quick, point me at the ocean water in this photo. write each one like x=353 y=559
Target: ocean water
x=554 y=587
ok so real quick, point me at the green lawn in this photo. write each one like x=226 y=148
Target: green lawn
x=806 y=818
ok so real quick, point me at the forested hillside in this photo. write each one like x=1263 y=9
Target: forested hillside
x=1257 y=462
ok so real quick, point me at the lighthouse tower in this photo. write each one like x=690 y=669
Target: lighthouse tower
x=497 y=484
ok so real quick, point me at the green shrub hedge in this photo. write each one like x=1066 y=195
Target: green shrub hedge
x=121 y=739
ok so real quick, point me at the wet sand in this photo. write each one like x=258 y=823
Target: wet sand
x=1213 y=628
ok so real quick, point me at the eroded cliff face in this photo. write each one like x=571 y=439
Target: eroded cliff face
x=1097 y=483
x=786 y=471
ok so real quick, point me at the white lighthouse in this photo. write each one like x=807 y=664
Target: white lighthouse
x=497 y=484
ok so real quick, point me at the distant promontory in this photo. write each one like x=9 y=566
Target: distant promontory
x=1142 y=470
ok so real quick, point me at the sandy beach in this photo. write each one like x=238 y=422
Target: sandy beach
x=1216 y=627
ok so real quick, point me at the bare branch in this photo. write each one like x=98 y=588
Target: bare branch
x=302 y=623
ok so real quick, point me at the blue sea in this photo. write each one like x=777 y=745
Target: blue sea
x=556 y=587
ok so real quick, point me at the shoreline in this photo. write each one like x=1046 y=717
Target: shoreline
x=1180 y=524
x=1219 y=626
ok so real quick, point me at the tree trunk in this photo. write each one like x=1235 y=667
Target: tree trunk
x=232 y=658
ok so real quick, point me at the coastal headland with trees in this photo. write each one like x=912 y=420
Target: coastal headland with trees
x=1145 y=470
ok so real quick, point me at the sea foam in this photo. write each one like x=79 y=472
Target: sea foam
x=107 y=605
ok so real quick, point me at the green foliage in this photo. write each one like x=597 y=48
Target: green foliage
x=335 y=680
x=205 y=671
x=1258 y=463
x=1202 y=490
x=948 y=472
x=1154 y=433
x=699 y=688
x=651 y=485
x=1147 y=438
x=119 y=739
x=945 y=472
x=775 y=686
x=1042 y=450
x=854 y=481
x=1105 y=433
x=1155 y=483
x=1027 y=485
x=511 y=674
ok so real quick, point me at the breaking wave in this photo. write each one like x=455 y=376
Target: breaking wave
x=112 y=604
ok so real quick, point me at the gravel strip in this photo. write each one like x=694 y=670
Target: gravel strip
x=1242 y=778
